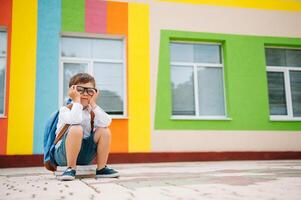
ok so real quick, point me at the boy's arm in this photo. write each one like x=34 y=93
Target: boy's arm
x=73 y=116
x=102 y=119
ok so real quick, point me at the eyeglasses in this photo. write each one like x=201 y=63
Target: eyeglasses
x=82 y=90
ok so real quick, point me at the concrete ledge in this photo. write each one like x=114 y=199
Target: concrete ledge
x=81 y=170
x=7 y=161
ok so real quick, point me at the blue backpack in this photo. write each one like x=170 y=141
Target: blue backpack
x=50 y=139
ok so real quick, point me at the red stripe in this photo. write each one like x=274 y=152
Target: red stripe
x=5 y=20
x=96 y=16
x=37 y=160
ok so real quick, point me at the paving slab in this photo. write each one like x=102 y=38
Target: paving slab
x=233 y=180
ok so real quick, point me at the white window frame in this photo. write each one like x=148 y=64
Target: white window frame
x=90 y=62
x=287 y=85
x=196 y=65
x=3 y=115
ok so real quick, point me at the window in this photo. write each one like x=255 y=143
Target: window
x=3 y=58
x=197 y=80
x=105 y=60
x=284 y=82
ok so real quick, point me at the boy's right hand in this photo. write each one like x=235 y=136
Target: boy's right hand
x=74 y=94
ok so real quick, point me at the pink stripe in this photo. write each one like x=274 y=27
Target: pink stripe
x=96 y=16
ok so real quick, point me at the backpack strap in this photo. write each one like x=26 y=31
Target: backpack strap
x=92 y=119
x=64 y=129
x=66 y=126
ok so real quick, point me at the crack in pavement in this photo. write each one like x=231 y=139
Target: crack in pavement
x=90 y=186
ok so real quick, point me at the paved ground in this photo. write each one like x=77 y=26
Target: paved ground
x=262 y=180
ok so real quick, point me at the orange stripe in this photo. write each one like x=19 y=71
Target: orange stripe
x=117 y=24
x=119 y=129
x=117 y=18
x=5 y=20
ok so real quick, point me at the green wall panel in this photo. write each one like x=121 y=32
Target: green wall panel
x=73 y=15
x=245 y=83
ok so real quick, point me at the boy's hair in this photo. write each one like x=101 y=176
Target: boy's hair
x=81 y=78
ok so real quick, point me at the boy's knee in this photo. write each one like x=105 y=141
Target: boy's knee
x=76 y=129
x=104 y=131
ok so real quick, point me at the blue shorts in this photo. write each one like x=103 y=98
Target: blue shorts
x=86 y=155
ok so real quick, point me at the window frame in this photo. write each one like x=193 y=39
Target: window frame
x=4 y=114
x=287 y=85
x=196 y=65
x=90 y=65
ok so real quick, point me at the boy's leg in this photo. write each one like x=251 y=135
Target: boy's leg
x=102 y=137
x=73 y=145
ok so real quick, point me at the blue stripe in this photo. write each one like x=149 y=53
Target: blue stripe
x=47 y=70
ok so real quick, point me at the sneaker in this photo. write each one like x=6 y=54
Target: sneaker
x=68 y=175
x=106 y=172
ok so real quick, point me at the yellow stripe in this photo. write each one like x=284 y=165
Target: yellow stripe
x=139 y=78
x=22 y=77
x=289 y=5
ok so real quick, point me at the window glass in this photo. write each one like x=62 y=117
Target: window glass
x=293 y=58
x=284 y=75
x=3 y=58
x=110 y=81
x=275 y=57
x=107 y=49
x=211 y=91
x=205 y=53
x=182 y=90
x=76 y=47
x=295 y=80
x=199 y=53
x=203 y=96
x=180 y=52
x=277 y=93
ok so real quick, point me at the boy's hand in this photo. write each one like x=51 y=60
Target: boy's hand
x=74 y=94
x=93 y=99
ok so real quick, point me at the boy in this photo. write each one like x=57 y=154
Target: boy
x=81 y=143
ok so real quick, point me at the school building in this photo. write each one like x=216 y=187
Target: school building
x=183 y=80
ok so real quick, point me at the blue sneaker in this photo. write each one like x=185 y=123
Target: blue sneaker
x=68 y=175
x=106 y=172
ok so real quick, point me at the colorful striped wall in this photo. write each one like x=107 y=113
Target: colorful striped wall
x=32 y=84
x=35 y=64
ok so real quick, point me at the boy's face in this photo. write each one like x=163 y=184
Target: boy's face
x=85 y=97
